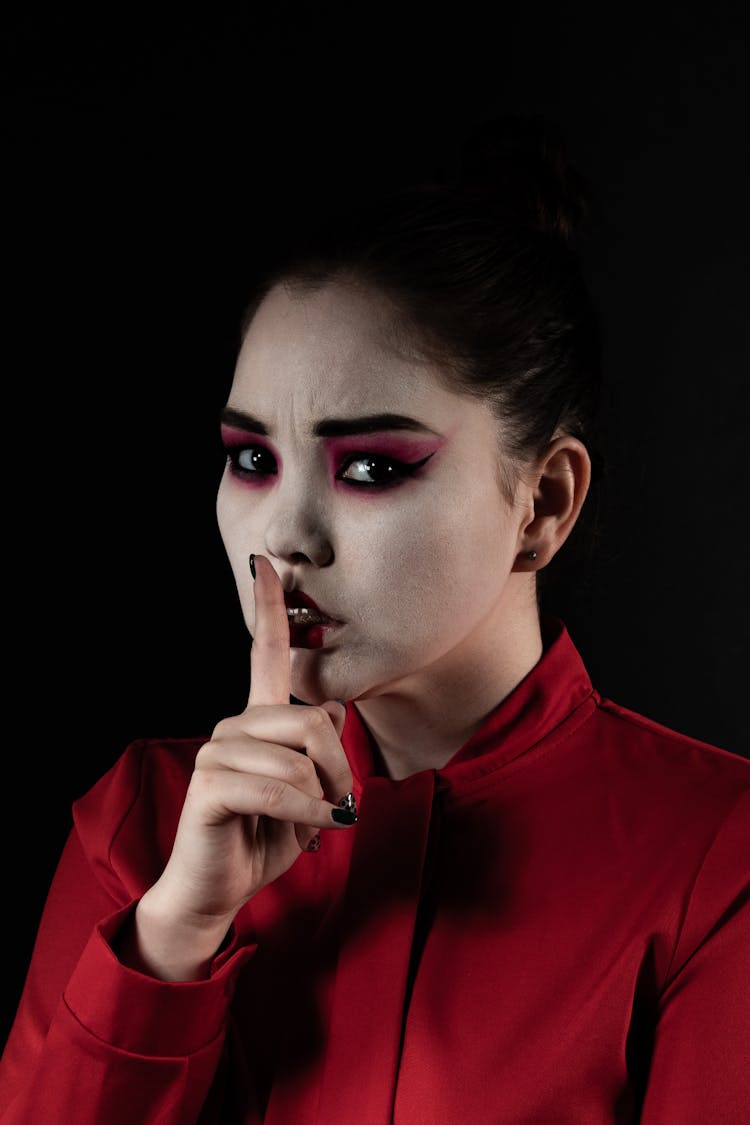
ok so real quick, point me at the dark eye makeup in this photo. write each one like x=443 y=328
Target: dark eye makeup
x=251 y=461
x=360 y=470
x=383 y=471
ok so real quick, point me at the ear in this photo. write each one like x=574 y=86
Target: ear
x=558 y=482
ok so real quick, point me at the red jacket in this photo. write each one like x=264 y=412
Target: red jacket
x=553 y=929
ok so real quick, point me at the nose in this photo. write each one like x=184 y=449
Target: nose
x=297 y=530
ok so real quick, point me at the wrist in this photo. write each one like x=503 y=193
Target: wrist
x=160 y=944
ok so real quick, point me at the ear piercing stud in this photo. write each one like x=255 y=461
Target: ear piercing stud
x=531 y=555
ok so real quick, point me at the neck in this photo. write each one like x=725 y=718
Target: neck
x=421 y=722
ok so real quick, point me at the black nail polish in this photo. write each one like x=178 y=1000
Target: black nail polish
x=343 y=816
x=314 y=845
x=252 y=565
x=349 y=804
x=346 y=813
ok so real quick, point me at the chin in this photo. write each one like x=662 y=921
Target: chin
x=311 y=685
x=312 y=699
x=315 y=681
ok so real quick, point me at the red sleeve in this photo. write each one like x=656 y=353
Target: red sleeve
x=700 y=1069
x=94 y=1041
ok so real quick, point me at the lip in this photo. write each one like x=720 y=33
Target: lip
x=297 y=599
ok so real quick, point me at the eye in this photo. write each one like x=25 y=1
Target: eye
x=251 y=461
x=377 y=471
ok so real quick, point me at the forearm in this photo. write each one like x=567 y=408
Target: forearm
x=123 y=1046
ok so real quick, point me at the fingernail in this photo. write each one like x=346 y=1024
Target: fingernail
x=343 y=816
x=314 y=844
x=349 y=803
x=346 y=813
x=252 y=565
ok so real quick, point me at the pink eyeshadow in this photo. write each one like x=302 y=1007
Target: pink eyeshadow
x=400 y=448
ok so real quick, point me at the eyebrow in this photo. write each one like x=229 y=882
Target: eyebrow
x=333 y=427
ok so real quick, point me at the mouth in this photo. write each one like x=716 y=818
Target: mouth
x=309 y=625
x=302 y=611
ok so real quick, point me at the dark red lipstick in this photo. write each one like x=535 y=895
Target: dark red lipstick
x=308 y=623
x=304 y=609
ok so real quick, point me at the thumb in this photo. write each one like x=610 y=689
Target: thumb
x=336 y=708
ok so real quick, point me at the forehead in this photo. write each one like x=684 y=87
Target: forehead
x=338 y=350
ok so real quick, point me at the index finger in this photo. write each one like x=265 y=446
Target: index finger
x=270 y=666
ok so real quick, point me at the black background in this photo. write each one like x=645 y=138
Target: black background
x=147 y=154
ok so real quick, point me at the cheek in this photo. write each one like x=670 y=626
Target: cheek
x=232 y=508
x=224 y=516
x=221 y=505
x=419 y=572
x=235 y=523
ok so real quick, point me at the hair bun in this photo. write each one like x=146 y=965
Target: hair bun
x=523 y=163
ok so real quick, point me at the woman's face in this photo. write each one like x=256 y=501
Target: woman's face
x=395 y=527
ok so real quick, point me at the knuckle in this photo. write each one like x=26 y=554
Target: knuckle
x=270 y=646
x=202 y=784
x=272 y=794
x=343 y=782
x=316 y=721
x=205 y=755
x=223 y=727
x=301 y=770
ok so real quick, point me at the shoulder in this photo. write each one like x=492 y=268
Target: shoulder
x=146 y=768
x=127 y=820
x=628 y=754
x=666 y=813
x=679 y=777
x=656 y=743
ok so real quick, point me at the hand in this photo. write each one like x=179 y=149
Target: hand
x=262 y=787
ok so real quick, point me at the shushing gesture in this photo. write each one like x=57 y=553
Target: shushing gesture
x=263 y=786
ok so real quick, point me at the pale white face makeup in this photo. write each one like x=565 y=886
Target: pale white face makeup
x=417 y=569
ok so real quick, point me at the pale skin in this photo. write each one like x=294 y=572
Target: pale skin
x=429 y=579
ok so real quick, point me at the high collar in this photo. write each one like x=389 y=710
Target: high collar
x=555 y=687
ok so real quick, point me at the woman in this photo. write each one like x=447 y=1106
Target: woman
x=429 y=874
